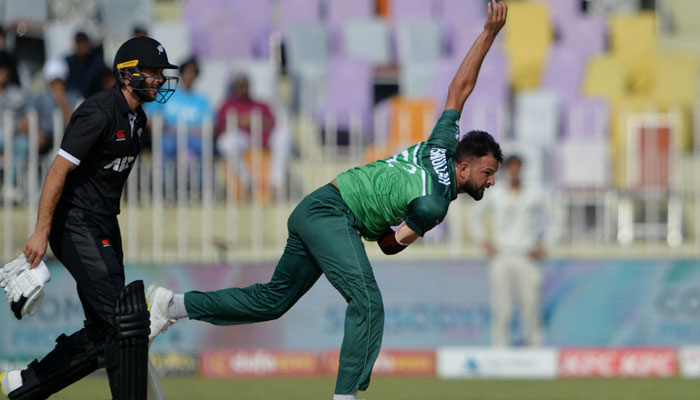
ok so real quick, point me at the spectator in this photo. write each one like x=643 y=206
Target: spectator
x=84 y=66
x=232 y=144
x=187 y=105
x=519 y=222
x=56 y=97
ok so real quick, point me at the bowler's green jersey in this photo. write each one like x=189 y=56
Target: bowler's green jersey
x=416 y=185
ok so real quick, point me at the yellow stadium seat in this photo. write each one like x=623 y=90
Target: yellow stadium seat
x=675 y=78
x=605 y=77
x=633 y=40
x=528 y=35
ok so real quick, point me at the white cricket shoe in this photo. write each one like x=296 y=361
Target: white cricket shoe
x=9 y=382
x=158 y=299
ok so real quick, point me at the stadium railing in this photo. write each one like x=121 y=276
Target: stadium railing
x=199 y=208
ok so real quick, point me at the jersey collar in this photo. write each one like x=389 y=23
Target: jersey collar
x=453 y=183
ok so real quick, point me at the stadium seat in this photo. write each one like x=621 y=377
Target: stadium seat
x=527 y=23
x=339 y=12
x=307 y=59
x=349 y=92
x=307 y=44
x=230 y=42
x=608 y=7
x=175 y=37
x=563 y=12
x=563 y=72
x=464 y=37
x=418 y=41
x=581 y=173
x=489 y=115
x=212 y=80
x=582 y=163
x=457 y=16
x=633 y=40
x=262 y=77
x=114 y=13
x=537 y=117
x=587 y=118
x=253 y=18
x=367 y=39
x=588 y=34
x=298 y=11
x=605 y=77
x=415 y=80
x=410 y=9
x=675 y=78
x=408 y=121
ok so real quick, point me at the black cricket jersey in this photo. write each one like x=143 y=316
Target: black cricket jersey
x=103 y=139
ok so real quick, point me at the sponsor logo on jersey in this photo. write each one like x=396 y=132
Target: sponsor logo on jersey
x=439 y=161
x=121 y=135
x=120 y=164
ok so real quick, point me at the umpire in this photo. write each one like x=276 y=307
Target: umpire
x=78 y=217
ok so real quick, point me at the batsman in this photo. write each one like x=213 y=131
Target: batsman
x=77 y=216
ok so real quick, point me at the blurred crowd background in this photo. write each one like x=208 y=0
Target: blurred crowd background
x=599 y=99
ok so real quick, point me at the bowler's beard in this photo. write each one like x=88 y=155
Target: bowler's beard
x=474 y=191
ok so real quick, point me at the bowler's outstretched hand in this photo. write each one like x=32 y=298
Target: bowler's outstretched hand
x=497 y=13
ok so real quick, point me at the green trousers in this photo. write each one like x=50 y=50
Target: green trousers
x=323 y=239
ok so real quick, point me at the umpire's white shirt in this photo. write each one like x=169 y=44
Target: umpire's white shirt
x=519 y=218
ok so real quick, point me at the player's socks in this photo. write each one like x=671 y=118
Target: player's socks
x=352 y=396
x=10 y=381
x=176 y=308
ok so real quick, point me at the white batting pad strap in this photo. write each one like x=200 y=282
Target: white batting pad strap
x=68 y=156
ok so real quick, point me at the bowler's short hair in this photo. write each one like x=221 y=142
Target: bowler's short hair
x=476 y=144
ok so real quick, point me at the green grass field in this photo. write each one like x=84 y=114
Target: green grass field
x=176 y=388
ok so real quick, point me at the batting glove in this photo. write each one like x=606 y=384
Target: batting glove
x=25 y=291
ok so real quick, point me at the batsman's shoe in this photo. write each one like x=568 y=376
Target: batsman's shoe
x=158 y=299
x=9 y=382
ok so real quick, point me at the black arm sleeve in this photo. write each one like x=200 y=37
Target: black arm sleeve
x=425 y=213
